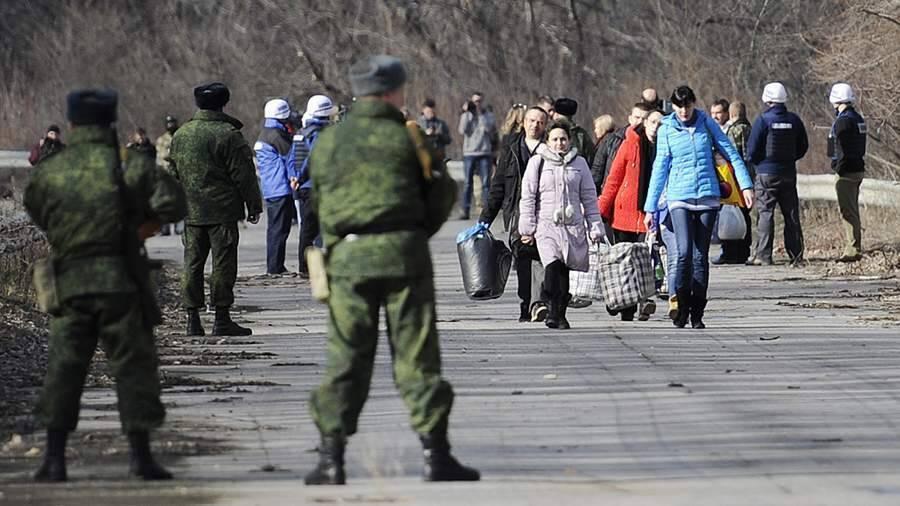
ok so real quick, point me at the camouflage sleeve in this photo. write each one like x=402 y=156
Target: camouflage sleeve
x=35 y=202
x=162 y=196
x=239 y=161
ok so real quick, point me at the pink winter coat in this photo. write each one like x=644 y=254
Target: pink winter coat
x=565 y=180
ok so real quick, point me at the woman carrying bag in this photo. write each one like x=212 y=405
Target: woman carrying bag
x=622 y=200
x=684 y=168
x=558 y=201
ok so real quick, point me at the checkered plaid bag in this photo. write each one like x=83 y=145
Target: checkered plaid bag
x=626 y=274
x=586 y=285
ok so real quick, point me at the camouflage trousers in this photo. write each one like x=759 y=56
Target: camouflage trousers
x=115 y=320
x=199 y=241
x=352 y=336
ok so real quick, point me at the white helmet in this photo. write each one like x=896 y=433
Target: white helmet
x=277 y=109
x=841 y=93
x=320 y=106
x=775 y=93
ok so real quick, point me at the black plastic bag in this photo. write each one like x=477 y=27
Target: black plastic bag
x=485 y=263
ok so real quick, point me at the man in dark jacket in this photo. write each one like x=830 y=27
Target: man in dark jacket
x=564 y=110
x=847 y=150
x=505 y=192
x=50 y=144
x=140 y=146
x=436 y=130
x=777 y=140
x=215 y=166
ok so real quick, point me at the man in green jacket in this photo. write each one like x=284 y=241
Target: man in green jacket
x=215 y=165
x=379 y=201
x=96 y=219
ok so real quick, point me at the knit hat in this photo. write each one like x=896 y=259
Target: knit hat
x=377 y=75
x=277 y=108
x=212 y=96
x=319 y=106
x=775 y=93
x=565 y=106
x=53 y=128
x=842 y=93
x=92 y=107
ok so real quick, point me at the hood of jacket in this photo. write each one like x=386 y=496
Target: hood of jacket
x=556 y=158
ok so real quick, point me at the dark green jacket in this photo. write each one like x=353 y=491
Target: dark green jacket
x=375 y=207
x=73 y=197
x=215 y=165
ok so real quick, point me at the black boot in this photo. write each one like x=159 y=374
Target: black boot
x=54 y=466
x=223 y=326
x=440 y=464
x=330 y=470
x=142 y=463
x=194 y=327
x=552 y=321
x=698 y=307
x=684 y=309
x=524 y=312
x=563 y=308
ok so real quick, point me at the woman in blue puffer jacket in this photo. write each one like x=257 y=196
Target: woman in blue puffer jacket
x=684 y=169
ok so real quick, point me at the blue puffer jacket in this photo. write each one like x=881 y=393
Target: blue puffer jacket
x=777 y=140
x=274 y=160
x=684 y=165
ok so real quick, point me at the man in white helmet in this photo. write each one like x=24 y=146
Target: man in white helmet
x=777 y=141
x=275 y=163
x=847 y=150
x=319 y=112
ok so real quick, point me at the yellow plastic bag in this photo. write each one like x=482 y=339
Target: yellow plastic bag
x=726 y=177
x=318 y=276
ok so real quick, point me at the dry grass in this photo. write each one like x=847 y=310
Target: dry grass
x=21 y=244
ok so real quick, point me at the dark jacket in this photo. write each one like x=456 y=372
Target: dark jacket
x=41 y=151
x=506 y=185
x=441 y=138
x=606 y=153
x=304 y=141
x=847 y=142
x=777 y=140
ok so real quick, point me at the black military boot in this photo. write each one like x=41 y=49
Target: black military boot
x=223 y=326
x=524 y=312
x=698 y=307
x=563 y=308
x=552 y=321
x=440 y=464
x=330 y=470
x=142 y=464
x=54 y=466
x=194 y=327
x=684 y=309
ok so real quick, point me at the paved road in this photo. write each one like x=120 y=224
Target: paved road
x=789 y=397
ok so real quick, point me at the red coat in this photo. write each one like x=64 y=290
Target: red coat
x=619 y=200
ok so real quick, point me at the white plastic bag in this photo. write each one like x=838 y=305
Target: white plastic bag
x=732 y=226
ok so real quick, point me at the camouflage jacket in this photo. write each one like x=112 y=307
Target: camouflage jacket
x=215 y=165
x=376 y=209
x=73 y=197
x=580 y=139
x=163 y=146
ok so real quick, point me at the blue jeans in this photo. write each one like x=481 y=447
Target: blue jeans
x=483 y=165
x=668 y=238
x=693 y=230
x=280 y=217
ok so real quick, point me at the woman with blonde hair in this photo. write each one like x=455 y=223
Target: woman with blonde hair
x=515 y=118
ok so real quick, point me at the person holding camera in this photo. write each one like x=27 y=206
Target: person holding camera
x=478 y=128
x=436 y=130
x=558 y=199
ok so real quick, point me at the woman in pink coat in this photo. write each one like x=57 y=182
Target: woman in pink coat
x=558 y=198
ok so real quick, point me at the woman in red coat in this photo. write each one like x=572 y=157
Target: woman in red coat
x=623 y=196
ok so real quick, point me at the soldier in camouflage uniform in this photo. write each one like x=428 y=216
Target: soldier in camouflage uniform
x=378 y=206
x=163 y=146
x=215 y=165
x=101 y=294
